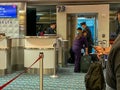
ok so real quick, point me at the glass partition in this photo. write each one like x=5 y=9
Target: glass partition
x=45 y=20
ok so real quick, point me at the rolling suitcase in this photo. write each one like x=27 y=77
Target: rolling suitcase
x=85 y=63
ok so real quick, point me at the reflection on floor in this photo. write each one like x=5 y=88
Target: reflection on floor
x=67 y=80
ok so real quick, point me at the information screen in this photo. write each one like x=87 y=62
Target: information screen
x=8 y=11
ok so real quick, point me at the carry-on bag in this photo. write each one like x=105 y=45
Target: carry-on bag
x=85 y=63
x=94 y=79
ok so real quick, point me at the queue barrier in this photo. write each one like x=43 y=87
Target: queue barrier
x=41 y=73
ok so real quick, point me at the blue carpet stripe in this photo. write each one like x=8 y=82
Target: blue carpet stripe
x=67 y=80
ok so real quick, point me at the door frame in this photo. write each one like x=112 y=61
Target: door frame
x=103 y=19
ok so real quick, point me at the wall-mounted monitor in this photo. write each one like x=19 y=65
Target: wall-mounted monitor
x=8 y=11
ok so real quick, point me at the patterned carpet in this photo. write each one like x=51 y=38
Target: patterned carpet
x=67 y=80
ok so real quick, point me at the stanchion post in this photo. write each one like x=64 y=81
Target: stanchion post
x=41 y=70
x=54 y=71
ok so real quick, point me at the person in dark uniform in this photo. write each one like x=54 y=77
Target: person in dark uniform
x=88 y=36
x=78 y=43
x=51 y=29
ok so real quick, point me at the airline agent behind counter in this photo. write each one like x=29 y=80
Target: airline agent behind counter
x=51 y=29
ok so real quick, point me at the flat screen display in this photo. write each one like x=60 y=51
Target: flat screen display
x=8 y=11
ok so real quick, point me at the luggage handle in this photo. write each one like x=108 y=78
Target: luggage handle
x=85 y=54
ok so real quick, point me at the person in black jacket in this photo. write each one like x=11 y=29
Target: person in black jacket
x=88 y=36
x=113 y=63
x=51 y=29
x=113 y=66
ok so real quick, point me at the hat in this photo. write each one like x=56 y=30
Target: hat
x=79 y=28
x=52 y=23
x=83 y=23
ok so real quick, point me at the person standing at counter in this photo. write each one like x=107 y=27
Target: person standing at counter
x=78 y=43
x=51 y=29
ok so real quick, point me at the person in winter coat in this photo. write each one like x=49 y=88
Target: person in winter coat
x=113 y=67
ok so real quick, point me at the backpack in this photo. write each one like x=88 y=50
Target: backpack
x=94 y=79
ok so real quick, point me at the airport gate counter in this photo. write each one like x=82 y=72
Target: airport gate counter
x=4 y=55
x=33 y=46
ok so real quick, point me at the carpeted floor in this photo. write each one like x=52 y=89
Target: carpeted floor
x=66 y=80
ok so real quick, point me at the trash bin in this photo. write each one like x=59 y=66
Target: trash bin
x=64 y=52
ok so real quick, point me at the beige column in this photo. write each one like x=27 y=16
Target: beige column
x=61 y=24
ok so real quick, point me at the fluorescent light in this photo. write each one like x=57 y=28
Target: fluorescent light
x=21 y=11
x=81 y=18
x=40 y=14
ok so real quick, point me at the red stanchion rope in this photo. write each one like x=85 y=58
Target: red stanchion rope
x=7 y=83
